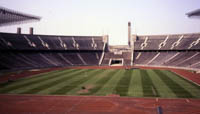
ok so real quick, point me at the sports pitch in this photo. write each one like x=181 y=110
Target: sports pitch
x=103 y=82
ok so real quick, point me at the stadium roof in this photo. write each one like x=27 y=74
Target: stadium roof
x=9 y=17
x=194 y=13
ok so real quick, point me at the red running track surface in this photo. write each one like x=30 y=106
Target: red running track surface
x=14 y=104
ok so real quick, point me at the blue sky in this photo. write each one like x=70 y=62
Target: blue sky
x=101 y=17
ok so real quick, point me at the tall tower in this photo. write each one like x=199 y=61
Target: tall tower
x=31 y=30
x=129 y=33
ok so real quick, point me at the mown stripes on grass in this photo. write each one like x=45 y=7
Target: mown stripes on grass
x=77 y=90
x=28 y=78
x=183 y=79
x=109 y=87
x=74 y=84
x=149 y=90
x=27 y=82
x=54 y=82
x=135 y=88
x=177 y=89
x=123 y=84
x=162 y=88
x=137 y=83
x=88 y=84
x=192 y=88
x=99 y=84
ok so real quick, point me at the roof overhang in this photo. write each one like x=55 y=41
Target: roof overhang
x=10 y=17
x=195 y=13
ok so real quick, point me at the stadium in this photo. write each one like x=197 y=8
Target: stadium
x=153 y=74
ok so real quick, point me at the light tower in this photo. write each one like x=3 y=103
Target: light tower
x=129 y=34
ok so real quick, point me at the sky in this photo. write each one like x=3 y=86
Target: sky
x=106 y=17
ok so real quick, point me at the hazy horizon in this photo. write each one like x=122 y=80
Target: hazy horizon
x=106 y=17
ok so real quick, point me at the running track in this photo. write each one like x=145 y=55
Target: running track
x=15 y=104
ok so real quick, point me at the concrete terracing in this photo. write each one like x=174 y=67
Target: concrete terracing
x=120 y=53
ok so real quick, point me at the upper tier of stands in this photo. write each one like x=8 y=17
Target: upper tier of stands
x=168 y=42
x=43 y=42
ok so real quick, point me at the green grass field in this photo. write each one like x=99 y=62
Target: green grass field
x=132 y=83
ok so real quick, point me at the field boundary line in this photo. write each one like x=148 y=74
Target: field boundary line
x=185 y=78
x=94 y=96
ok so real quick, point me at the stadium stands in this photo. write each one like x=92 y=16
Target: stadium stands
x=181 y=50
x=125 y=57
x=22 y=51
x=44 y=42
x=167 y=42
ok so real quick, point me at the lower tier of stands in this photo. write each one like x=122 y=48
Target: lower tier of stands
x=32 y=60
